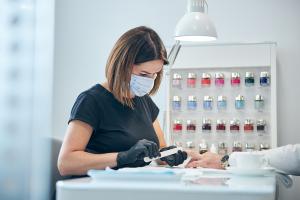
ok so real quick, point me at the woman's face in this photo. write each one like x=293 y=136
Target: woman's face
x=148 y=69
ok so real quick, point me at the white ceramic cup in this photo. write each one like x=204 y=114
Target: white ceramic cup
x=248 y=160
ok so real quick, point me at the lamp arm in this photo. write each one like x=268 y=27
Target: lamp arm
x=173 y=53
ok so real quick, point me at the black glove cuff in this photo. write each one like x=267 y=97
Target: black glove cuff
x=121 y=159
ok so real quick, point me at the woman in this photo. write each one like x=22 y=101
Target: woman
x=114 y=124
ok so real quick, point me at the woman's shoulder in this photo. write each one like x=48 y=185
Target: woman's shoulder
x=97 y=92
x=94 y=95
x=148 y=99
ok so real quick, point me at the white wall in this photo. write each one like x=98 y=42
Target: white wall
x=86 y=31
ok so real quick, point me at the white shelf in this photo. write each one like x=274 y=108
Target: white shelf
x=226 y=58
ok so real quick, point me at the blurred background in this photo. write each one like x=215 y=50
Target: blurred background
x=26 y=87
x=50 y=51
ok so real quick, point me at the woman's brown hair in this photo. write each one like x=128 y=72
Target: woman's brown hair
x=136 y=46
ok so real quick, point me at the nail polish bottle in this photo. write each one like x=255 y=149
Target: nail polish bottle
x=264 y=146
x=203 y=148
x=235 y=79
x=177 y=126
x=191 y=126
x=208 y=103
x=206 y=79
x=249 y=79
x=219 y=79
x=192 y=103
x=176 y=82
x=259 y=102
x=191 y=80
x=234 y=126
x=190 y=145
x=249 y=147
x=265 y=79
x=239 y=102
x=176 y=104
x=222 y=103
x=261 y=126
x=221 y=126
x=206 y=125
x=248 y=126
x=237 y=146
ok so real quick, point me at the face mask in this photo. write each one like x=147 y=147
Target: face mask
x=140 y=85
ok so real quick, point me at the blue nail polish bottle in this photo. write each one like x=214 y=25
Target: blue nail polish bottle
x=176 y=104
x=208 y=103
x=264 y=79
x=239 y=102
x=192 y=103
x=222 y=103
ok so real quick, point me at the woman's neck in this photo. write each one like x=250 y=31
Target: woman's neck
x=105 y=85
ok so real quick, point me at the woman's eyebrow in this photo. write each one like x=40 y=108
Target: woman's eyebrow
x=143 y=71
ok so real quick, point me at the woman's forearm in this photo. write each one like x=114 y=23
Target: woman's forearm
x=79 y=162
x=285 y=158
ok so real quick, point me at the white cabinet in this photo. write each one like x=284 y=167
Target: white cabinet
x=192 y=107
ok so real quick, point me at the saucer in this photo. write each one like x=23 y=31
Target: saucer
x=251 y=172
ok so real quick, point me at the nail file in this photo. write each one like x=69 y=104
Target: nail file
x=164 y=154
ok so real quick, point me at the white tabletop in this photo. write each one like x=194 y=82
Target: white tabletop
x=208 y=185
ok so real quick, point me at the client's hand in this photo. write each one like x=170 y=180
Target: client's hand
x=174 y=159
x=206 y=160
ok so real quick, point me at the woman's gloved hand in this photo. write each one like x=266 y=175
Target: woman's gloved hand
x=134 y=157
x=174 y=159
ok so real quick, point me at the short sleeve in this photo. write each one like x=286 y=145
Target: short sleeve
x=153 y=109
x=86 y=109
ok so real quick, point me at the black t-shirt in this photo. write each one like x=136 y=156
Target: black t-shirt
x=116 y=127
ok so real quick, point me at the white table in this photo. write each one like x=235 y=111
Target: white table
x=209 y=186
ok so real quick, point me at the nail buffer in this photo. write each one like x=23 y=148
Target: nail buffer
x=164 y=154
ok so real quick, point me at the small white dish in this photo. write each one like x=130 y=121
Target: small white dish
x=251 y=172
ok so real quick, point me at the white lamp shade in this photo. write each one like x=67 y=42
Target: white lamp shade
x=195 y=26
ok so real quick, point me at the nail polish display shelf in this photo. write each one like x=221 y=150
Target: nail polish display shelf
x=223 y=95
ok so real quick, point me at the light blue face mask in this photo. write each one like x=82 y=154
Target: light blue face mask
x=140 y=85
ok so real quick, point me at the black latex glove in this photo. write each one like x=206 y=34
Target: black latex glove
x=174 y=159
x=134 y=157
